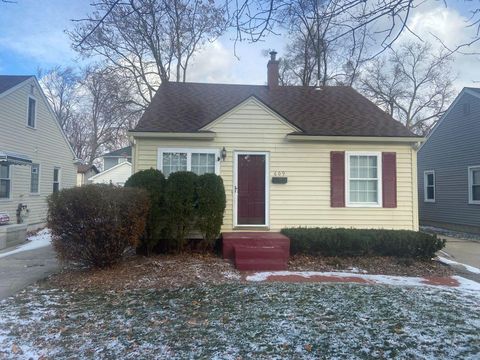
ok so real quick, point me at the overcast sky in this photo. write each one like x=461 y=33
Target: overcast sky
x=32 y=36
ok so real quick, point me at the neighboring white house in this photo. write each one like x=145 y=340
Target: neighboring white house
x=85 y=172
x=116 y=175
x=35 y=156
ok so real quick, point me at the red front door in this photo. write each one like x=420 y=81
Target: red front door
x=251 y=189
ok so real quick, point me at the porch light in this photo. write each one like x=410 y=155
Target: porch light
x=223 y=154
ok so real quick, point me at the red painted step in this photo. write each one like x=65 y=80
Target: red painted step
x=260 y=258
x=253 y=239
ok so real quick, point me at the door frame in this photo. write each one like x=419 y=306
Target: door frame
x=267 y=189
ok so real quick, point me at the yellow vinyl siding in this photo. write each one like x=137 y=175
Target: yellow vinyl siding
x=305 y=199
x=45 y=145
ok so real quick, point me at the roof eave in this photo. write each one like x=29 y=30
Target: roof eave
x=330 y=138
x=199 y=135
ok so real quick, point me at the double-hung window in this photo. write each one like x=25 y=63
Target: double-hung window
x=429 y=190
x=5 y=181
x=199 y=161
x=34 y=178
x=31 y=119
x=56 y=180
x=364 y=179
x=474 y=185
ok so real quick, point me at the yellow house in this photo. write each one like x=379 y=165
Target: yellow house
x=288 y=155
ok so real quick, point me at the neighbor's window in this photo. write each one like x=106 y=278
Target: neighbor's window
x=56 y=179
x=474 y=184
x=5 y=181
x=199 y=161
x=31 y=112
x=34 y=178
x=363 y=179
x=429 y=186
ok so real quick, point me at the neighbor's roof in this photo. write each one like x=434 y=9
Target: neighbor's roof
x=331 y=111
x=84 y=168
x=477 y=90
x=9 y=81
x=126 y=151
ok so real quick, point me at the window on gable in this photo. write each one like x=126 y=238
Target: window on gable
x=363 y=179
x=56 y=180
x=32 y=103
x=34 y=178
x=474 y=185
x=5 y=181
x=429 y=186
x=466 y=109
x=196 y=160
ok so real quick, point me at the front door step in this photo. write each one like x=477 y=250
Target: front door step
x=256 y=258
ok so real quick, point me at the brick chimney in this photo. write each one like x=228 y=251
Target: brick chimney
x=272 y=71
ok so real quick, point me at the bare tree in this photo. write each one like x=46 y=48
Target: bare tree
x=312 y=56
x=148 y=41
x=413 y=84
x=60 y=85
x=105 y=113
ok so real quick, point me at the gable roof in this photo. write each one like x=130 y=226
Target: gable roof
x=113 y=168
x=331 y=111
x=9 y=81
x=84 y=168
x=126 y=151
x=466 y=90
x=476 y=90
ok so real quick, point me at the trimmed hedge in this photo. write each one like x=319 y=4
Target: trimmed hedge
x=93 y=225
x=180 y=200
x=362 y=242
x=154 y=183
x=211 y=202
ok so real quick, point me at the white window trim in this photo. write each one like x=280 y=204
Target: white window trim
x=267 y=189
x=59 y=177
x=425 y=174
x=10 y=167
x=189 y=152
x=39 y=173
x=470 y=184
x=35 y=114
x=379 y=202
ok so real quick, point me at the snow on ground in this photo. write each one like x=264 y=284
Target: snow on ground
x=470 y=268
x=40 y=239
x=253 y=321
x=463 y=284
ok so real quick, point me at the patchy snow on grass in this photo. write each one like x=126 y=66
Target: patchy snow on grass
x=253 y=321
x=470 y=268
x=39 y=240
x=463 y=284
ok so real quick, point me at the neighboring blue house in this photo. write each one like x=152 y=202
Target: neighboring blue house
x=449 y=167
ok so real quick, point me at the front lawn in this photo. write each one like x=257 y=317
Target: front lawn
x=239 y=321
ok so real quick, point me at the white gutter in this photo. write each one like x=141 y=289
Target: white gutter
x=173 y=135
x=298 y=137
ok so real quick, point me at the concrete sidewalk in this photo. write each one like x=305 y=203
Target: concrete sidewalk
x=464 y=252
x=24 y=268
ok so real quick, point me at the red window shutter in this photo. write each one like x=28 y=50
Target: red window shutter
x=389 y=179
x=337 y=178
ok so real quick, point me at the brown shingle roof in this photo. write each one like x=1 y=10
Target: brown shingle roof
x=333 y=110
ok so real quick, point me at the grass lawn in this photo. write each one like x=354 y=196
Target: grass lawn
x=238 y=321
